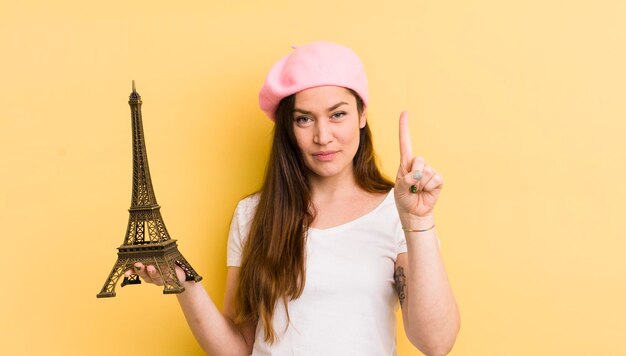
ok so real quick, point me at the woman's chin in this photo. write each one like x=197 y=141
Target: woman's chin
x=327 y=172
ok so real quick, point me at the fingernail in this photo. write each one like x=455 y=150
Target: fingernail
x=137 y=268
x=417 y=175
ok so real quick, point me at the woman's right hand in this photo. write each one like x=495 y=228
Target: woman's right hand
x=149 y=273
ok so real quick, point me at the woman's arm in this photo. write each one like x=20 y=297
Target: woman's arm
x=430 y=314
x=429 y=310
x=215 y=331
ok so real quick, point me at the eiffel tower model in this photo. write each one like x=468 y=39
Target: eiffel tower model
x=147 y=240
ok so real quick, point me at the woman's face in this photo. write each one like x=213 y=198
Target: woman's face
x=326 y=125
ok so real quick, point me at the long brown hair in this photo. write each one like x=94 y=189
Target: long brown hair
x=273 y=258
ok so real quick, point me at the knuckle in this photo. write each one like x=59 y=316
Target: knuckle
x=418 y=164
x=155 y=276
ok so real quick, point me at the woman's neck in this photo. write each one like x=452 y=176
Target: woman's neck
x=330 y=188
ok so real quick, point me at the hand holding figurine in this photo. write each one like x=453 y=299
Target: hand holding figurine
x=149 y=274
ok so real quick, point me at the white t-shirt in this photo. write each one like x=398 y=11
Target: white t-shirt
x=348 y=303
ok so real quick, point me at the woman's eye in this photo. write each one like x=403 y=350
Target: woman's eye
x=302 y=120
x=339 y=114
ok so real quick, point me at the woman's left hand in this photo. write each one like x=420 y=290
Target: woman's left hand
x=417 y=201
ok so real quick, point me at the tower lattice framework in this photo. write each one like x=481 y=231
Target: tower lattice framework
x=147 y=240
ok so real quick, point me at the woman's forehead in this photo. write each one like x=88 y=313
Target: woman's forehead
x=323 y=98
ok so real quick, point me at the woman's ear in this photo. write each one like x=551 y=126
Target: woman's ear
x=362 y=120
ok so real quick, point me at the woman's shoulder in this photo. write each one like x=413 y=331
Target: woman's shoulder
x=387 y=207
x=389 y=199
x=247 y=206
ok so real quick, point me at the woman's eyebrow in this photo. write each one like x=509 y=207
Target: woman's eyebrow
x=329 y=109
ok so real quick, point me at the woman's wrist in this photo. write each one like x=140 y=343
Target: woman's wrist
x=192 y=289
x=415 y=222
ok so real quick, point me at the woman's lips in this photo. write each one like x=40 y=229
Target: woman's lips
x=325 y=155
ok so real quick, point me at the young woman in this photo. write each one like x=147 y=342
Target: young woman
x=320 y=256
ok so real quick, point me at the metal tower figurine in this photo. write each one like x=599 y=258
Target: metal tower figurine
x=147 y=240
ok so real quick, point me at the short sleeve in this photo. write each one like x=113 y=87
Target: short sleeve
x=400 y=240
x=396 y=226
x=239 y=228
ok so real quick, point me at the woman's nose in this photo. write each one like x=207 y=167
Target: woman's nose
x=323 y=133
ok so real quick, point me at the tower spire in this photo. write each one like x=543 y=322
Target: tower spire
x=147 y=240
x=143 y=193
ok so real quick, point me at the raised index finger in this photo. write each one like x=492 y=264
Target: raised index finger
x=406 y=152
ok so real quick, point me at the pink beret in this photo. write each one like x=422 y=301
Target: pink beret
x=312 y=65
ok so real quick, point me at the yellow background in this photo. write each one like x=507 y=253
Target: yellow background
x=520 y=105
